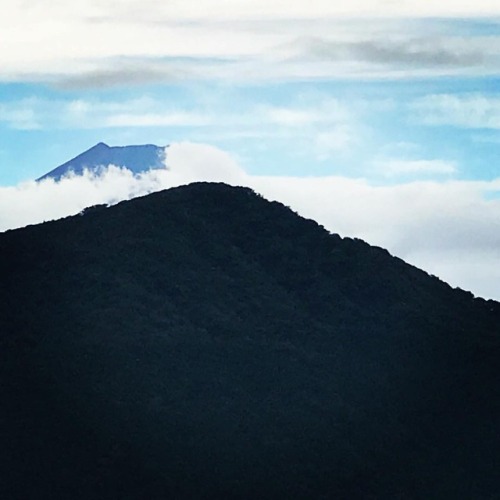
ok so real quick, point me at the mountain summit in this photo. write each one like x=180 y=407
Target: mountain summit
x=202 y=342
x=135 y=158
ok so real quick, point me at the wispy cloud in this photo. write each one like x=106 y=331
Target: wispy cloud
x=20 y=115
x=326 y=123
x=425 y=52
x=405 y=167
x=131 y=74
x=35 y=113
x=459 y=110
x=333 y=140
x=166 y=119
x=319 y=109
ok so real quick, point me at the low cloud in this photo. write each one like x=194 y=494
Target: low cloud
x=35 y=202
x=449 y=228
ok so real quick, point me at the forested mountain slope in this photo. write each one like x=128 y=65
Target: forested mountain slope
x=202 y=342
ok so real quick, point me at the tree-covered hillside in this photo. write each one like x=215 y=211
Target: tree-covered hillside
x=203 y=342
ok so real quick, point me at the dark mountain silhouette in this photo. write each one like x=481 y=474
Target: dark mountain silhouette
x=135 y=158
x=202 y=342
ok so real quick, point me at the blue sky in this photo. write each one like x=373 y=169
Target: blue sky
x=348 y=127
x=397 y=95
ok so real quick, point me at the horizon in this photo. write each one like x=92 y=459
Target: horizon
x=380 y=120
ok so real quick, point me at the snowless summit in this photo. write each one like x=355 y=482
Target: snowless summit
x=135 y=158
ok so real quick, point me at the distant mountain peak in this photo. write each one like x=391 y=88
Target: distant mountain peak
x=136 y=158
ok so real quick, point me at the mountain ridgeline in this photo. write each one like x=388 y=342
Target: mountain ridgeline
x=203 y=342
x=137 y=159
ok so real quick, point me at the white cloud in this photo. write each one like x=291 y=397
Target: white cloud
x=152 y=11
x=291 y=117
x=466 y=110
x=85 y=44
x=262 y=9
x=35 y=202
x=310 y=110
x=35 y=113
x=315 y=125
x=167 y=119
x=431 y=224
x=334 y=140
x=20 y=116
x=139 y=112
x=478 y=271
x=397 y=167
x=31 y=202
x=189 y=162
x=450 y=228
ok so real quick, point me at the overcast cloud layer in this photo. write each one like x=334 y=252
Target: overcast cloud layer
x=449 y=228
x=97 y=44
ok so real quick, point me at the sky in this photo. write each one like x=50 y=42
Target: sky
x=380 y=119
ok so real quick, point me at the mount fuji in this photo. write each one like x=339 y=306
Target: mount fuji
x=135 y=158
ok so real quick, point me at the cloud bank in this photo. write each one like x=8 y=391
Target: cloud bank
x=449 y=228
